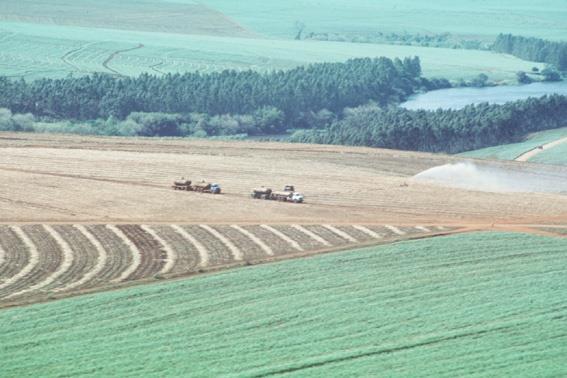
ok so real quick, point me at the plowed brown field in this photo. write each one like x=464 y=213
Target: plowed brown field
x=46 y=179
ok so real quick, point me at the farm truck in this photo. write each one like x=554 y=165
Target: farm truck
x=287 y=194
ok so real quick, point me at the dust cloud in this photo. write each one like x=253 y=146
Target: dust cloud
x=467 y=175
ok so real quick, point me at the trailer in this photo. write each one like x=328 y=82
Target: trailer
x=287 y=195
x=201 y=187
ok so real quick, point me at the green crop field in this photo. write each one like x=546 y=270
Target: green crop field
x=54 y=38
x=187 y=17
x=484 y=304
x=39 y=50
x=555 y=155
x=512 y=151
x=469 y=18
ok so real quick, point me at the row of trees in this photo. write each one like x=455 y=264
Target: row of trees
x=534 y=49
x=451 y=131
x=266 y=120
x=446 y=40
x=331 y=86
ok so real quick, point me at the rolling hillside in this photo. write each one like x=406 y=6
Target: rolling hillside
x=480 y=304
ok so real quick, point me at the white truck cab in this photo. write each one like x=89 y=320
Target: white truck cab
x=297 y=197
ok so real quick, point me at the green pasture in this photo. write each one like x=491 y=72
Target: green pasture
x=479 y=305
x=513 y=150
x=555 y=155
x=32 y=51
x=468 y=18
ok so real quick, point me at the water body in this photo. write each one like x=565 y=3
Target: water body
x=457 y=98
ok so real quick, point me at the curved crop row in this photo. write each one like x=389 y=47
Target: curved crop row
x=37 y=260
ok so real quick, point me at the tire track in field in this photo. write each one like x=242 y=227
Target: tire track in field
x=114 y=55
x=65 y=58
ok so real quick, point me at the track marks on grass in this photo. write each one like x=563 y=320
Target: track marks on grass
x=107 y=61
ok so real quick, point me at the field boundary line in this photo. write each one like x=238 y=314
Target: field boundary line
x=33 y=253
x=368 y=232
x=65 y=264
x=136 y=255
x=283 y=236
x=255 y=239
x=395 y=230
x=340 y=233
x=100 y=263
x=203 y=252
x=312 y=235
x=171 y=254
x=236 y=253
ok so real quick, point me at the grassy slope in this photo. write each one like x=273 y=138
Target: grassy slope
x=479 y=19
x=555 y=155
x=512 y=151
x=38 y=50
x=486 y=304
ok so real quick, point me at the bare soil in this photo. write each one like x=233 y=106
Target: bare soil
x=74 y=179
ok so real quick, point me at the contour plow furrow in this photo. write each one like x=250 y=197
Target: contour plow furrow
x=38 y=262
x=51 y=262
x=170 y=254
x=218 y=252
x=308 y=230
x=305 y=240
x=364 y=233
x=15 y=255
x=277 y=238
x=25 y=259
x=234 y=250
x=341 y=233
x=240 y=244
x=88 y=248
x=133 y=251
x=255 y=239
x=74 y=248
x=151 y=256
x=191 y=253
x=118 y=254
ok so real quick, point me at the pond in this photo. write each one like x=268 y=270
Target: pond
x=457 y=98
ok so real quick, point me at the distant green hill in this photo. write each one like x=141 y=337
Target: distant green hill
x=484 y=304
x=469 y=18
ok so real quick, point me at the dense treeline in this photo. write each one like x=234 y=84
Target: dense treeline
x=534 y=49
x=445 y=40
x=451 y=131
x=297 y=92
